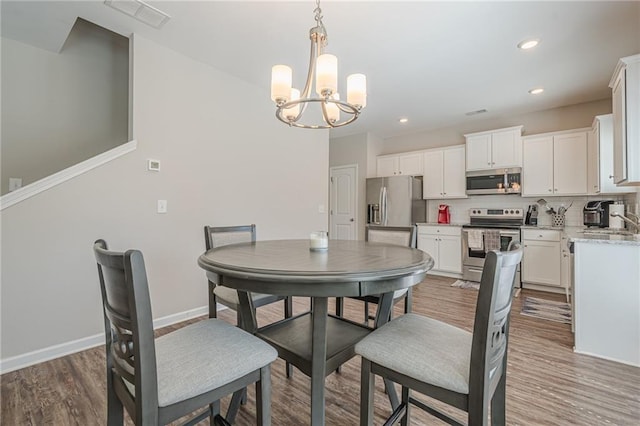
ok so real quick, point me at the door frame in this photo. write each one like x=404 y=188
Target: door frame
x=355 y=197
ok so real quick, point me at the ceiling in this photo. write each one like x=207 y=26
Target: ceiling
x=431 y=62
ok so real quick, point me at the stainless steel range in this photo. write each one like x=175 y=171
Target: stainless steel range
x=489 y=229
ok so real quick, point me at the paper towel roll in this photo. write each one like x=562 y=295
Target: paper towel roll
x=616 y=222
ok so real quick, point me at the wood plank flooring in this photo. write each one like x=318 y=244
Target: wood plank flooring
x=547 y=383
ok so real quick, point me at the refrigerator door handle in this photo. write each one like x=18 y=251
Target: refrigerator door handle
x=384 y=206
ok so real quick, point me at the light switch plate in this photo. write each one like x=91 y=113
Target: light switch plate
x=153 y=165
x=162 y=206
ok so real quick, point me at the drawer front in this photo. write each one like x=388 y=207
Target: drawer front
x=440 y=230
x=540 y=235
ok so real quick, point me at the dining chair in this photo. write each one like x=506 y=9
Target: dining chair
x=465 y=370
x=218 y=236
x=160 y=380
x=402 y=236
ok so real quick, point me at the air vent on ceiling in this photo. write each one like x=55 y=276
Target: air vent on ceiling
x=140 y=11
x=476 y=112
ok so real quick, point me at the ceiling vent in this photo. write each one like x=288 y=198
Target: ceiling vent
x=476 y=112
x=140 y=11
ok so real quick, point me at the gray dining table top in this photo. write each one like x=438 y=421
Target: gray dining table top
x=292 y=260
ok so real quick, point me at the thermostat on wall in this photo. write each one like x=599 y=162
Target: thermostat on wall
x=153 y=165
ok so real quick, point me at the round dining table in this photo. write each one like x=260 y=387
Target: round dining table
x=315 y=342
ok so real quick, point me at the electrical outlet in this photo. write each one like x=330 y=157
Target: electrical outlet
x=162 y=206
x=320 y=208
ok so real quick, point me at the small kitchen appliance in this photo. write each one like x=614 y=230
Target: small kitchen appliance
x=532 y=215
x=596 y=213
x=615 y=222
x=444 y=215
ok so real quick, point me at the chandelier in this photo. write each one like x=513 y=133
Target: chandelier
x=291 y=104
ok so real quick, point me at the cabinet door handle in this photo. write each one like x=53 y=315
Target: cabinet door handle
x=550 y=190
x=610 y=176
x=555 y=190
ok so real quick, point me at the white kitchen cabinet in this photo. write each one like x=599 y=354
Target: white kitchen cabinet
x=444 y=244
x=541 y=260
x=555 y=164
x=565 y=265
x=600 y=158
x=409 y=164
x=494 y=149
x=625 y=86
x=444 y=173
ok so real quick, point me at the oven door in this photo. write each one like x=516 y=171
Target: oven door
x=473 y=260
x=473 y=257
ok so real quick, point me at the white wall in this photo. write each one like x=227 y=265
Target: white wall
x=551 y=120
x=225 y=160
x=59 y=109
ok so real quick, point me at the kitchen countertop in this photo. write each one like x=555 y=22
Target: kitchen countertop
x=441 y=224
x=597 y=236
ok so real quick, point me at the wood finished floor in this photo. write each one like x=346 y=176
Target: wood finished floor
x=547 y=383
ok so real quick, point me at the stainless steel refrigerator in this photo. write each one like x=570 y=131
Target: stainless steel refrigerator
x=395 y=201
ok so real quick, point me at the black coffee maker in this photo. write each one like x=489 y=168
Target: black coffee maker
x=532 y=215
x=596 y=213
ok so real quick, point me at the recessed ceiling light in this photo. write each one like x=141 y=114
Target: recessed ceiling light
x=528 y=44
x=403 y=120
x=536 y=91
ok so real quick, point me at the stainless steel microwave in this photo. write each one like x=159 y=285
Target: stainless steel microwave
x=497 y=181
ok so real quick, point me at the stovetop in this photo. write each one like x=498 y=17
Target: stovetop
x=503 y=218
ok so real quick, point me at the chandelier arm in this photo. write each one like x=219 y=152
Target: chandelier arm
x=325 y=115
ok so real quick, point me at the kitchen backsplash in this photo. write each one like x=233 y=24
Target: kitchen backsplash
x=459 y=208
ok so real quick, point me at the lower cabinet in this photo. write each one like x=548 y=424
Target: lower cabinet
x=541 y=261
x=444 y=244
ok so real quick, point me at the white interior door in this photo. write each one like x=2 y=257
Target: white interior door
x=343 y=198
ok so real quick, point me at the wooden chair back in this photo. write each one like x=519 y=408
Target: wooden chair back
x=398 y=235
x=128 y=323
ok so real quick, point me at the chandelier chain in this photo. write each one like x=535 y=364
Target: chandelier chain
x=318 y=17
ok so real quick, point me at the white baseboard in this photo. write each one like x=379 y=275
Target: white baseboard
x=56 y=351
x=64 y=175
x=444 y=274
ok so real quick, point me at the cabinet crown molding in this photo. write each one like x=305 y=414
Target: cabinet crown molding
x=623 y=62
x=557 y=133
x=506 y=129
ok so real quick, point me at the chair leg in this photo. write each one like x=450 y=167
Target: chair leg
x=288 y=313
x=366 y=313
x=263 y=397
x=339 y=306
x=408 y=300
x=406 y=395
x=115 y=410
x=498 y=402
x=234 y=405
x=367 y=389
x=214 y=410
x=213 y=307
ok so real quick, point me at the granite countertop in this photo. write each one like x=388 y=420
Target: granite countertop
x=597 y=236
x=630 y=240
x=441 y=224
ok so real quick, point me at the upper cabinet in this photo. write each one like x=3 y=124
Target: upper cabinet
x=600 y=158
x=555 y=164
x=494 y=149
x=409 y=164
x=444 y=175
x=625 y=86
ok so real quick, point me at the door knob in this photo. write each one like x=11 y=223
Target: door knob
x=351 y=220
